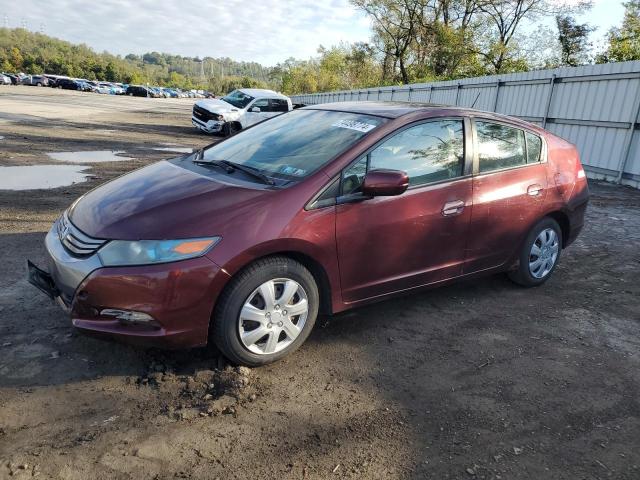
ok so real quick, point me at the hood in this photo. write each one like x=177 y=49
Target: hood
x=165 y=201
x=216 y=106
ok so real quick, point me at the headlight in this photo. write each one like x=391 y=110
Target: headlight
x=145 y=252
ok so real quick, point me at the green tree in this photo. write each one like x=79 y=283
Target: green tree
x=574 y=40
x=624 y=41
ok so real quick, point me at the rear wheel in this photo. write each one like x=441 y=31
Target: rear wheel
x=266 y=312
x=539 y=254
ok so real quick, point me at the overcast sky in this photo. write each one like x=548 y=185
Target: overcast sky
x=266 y=31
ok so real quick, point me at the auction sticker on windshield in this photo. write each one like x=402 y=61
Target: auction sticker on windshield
x=355 y=125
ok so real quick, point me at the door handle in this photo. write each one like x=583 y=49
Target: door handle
x=453 y=208
x=534 y=190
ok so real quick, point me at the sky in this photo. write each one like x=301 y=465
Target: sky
x=265 y=31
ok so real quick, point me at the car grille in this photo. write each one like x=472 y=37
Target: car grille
x=76 y=242
x=203 y=115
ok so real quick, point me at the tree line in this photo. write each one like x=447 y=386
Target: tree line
x=412 y=41
x=35 y=53
x=428 y=40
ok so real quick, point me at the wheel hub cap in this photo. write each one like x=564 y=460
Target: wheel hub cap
x=273 y=316
x=544 y=253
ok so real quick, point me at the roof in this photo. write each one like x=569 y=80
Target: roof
x=262 y=92
x=399 y=109
x=380 y=109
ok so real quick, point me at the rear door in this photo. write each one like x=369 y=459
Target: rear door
x=278 y=106
x=388 y=244
x=509 y=188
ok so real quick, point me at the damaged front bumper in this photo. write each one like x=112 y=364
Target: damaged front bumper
x=212 y=126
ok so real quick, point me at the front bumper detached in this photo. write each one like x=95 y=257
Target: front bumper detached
x=212 y=126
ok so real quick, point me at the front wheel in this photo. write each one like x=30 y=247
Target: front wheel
x=229 y=129
x=266 y=312
x=539 y=254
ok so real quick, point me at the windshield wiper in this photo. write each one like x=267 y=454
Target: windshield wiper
x=254 y=172
x=230 y=167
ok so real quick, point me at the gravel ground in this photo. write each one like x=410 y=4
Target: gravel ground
x=478 y=380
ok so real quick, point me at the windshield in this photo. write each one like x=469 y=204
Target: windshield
x=295 y=144
x=238 y=99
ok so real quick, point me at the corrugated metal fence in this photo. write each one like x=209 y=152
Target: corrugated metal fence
x=596 y=107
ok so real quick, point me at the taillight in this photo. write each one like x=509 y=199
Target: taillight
x=581 y=173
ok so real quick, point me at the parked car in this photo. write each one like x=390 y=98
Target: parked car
x=170 y=92
x=138 y=91
x=119 y=88
x=237 y=110
x=53 y=79
x=68 y=84
x=35 y=81
x=5 y=79
x=105 y=88
x=324 y=208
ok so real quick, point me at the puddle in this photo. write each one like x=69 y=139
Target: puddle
x=174 y=149
x=96 y=156
x=35 y=177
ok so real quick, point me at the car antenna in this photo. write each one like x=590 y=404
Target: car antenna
x=474 y=102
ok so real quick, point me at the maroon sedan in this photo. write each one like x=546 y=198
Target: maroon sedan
x=321 y=209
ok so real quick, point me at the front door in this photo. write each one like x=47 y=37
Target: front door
x=508 y=192
x=388 y=244
x=251 y=117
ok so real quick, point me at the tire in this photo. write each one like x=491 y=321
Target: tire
x=229 y=129
x=228 y=325
x=533 y=269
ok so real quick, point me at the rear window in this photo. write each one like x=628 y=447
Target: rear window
x=294 y=144
x=499 y=146
x=534 y=147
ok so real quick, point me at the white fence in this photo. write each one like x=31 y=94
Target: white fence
x=595 y=107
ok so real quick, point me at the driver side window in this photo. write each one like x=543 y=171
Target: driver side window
x=262 y=104
x=428 y=152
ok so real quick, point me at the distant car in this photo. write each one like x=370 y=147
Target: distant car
x=15 y=78
x=5 y=79
x=171 y=93
x=240 y=109
x=138 y=91
x=68 y=84
x=105 y=88
x=118 y=88
x=35 y=81
x=53 y=79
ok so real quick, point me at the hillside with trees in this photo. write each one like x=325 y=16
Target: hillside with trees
x=412 y=41
x=30 y=52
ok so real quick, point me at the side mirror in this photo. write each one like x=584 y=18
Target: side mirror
x=255 y=109
x=384 y=183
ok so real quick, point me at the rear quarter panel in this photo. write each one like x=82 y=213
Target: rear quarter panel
x=568 y=189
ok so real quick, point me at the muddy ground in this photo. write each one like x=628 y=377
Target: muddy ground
x=479 y=380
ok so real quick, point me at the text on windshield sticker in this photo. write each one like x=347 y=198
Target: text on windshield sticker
x=354 y=125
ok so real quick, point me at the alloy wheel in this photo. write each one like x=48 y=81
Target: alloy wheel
x=273 y=316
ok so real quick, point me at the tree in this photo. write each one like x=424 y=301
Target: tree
x=574 y=40
x=504 y=18
x=395 y=23
x=624 y=42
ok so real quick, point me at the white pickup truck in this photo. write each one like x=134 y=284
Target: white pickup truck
x=239 y=109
